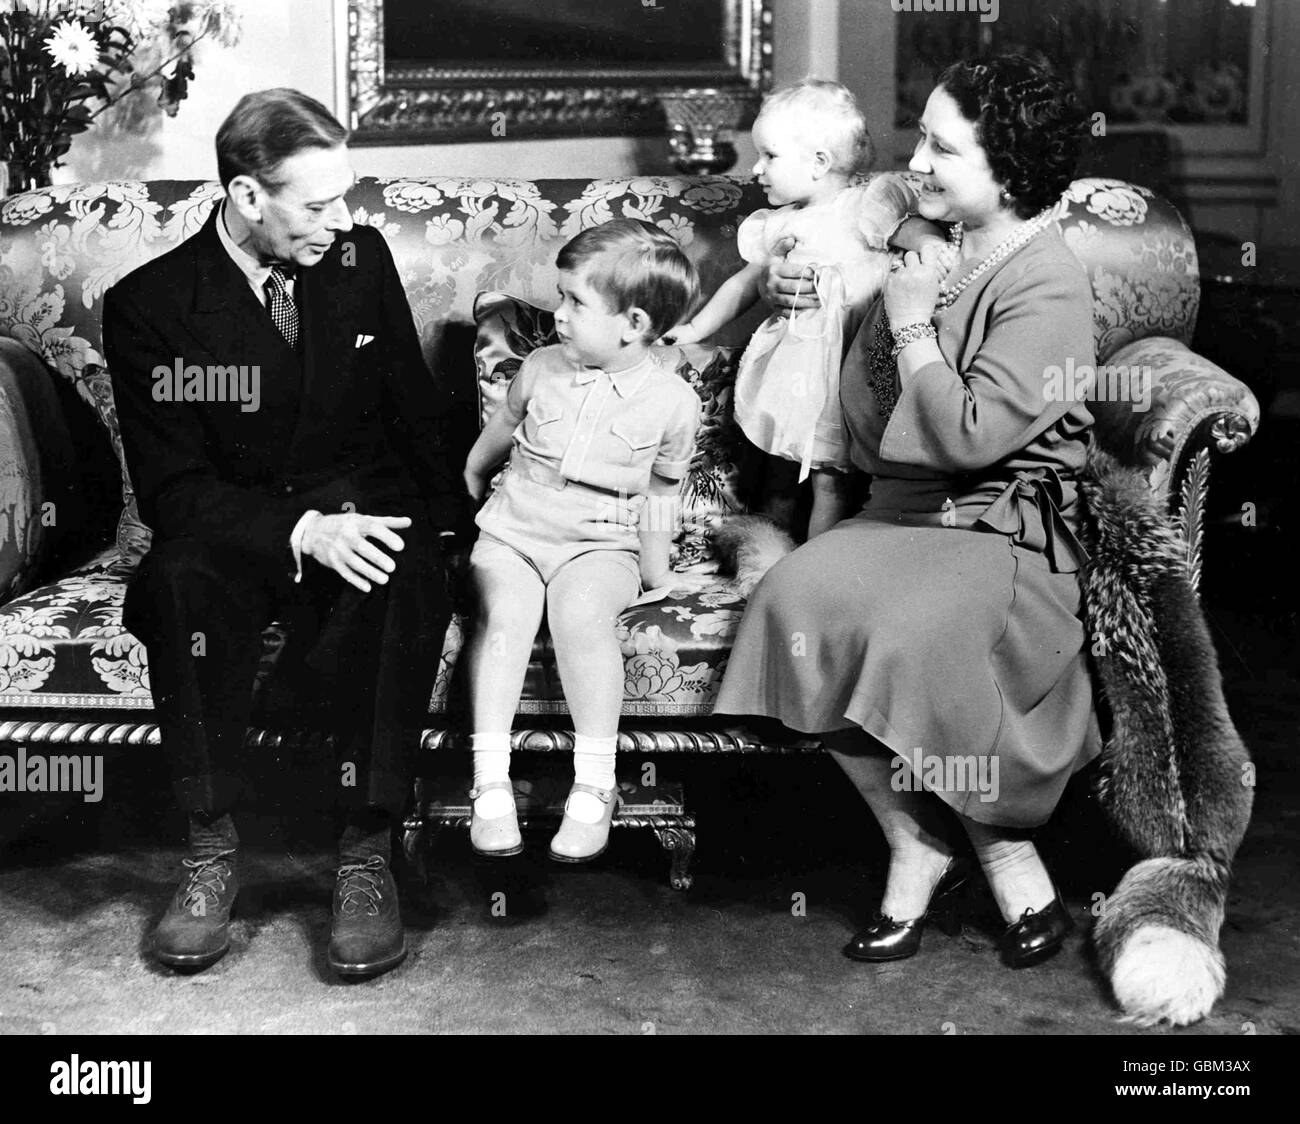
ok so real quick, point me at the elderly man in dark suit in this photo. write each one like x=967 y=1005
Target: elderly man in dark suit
x=291 y=452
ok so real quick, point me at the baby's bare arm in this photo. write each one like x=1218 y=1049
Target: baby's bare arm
x=734 y=296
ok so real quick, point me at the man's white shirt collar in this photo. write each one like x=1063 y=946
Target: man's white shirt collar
x=257 y=272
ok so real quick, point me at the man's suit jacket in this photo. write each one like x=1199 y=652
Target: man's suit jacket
x=340 y=423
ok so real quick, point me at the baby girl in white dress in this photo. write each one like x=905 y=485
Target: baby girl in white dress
x=811 y=139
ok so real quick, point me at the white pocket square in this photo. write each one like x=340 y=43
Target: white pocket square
x=362 y=340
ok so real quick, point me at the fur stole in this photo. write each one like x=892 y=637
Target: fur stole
x=1176 y=781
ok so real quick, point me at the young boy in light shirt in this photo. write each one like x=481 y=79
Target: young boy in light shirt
x=600 y=431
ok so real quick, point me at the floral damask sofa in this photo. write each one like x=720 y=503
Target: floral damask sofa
x=477 y=259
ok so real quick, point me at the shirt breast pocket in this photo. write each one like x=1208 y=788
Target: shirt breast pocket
x=634 y=438
x=540 y=418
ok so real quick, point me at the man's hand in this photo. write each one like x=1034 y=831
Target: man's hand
x=342 y=543
x=790 y=286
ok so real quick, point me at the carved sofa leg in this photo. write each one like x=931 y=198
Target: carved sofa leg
x=679 y=842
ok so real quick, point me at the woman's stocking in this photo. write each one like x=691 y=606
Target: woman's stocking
x=912 y=823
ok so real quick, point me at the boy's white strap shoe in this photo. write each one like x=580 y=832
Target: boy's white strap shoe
x=578 y=842
x=494 y=836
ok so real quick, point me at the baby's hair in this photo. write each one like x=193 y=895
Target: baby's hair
x=829 y=119
x=634 y=264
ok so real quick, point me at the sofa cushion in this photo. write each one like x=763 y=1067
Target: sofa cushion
x=64 y=646
x=674 y=654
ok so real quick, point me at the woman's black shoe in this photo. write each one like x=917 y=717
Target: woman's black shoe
x=887 y=939
x=1036 y=936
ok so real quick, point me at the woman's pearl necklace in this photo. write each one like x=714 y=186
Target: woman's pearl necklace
x=1005 y=248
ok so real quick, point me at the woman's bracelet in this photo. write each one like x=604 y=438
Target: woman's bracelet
x=910 y=333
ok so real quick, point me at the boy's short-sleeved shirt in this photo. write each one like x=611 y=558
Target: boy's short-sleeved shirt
x=605 y=430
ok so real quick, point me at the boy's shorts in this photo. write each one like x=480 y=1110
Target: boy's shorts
x=550 y=526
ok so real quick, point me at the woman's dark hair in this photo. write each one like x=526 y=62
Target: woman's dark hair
x=1027 y=120
x=266 y=128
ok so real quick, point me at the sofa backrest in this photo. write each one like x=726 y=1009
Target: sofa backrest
x=62 y=247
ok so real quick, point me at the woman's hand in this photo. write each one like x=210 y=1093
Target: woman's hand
x=912 y=287
x=790 y=286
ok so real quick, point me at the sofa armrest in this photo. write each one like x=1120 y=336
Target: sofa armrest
x=1154 y=398
x=36 y=469
x=1180 y=412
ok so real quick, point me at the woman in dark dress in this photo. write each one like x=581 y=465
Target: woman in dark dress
x=933 y=640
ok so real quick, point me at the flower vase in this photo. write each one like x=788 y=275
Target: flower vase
x=17 y=176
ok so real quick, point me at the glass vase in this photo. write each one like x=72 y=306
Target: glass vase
x=20 y=175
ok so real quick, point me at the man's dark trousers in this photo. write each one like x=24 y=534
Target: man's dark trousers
x=375 y=654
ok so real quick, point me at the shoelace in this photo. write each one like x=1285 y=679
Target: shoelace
x=208 y=878
x=360 y=883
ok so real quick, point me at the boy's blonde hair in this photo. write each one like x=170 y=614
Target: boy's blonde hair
x=635 y=264
x=829 y=119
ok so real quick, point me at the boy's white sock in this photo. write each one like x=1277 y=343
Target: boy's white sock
x=593 y=764
x=491 y=763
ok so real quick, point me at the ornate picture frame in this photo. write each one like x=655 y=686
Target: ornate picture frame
x=431 y=100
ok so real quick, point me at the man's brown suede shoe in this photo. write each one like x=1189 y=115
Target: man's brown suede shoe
x=194 y=932
x=366 y=937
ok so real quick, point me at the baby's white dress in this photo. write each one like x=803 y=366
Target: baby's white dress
x=787 y=398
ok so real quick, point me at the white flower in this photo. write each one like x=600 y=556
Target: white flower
x=73 y=47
